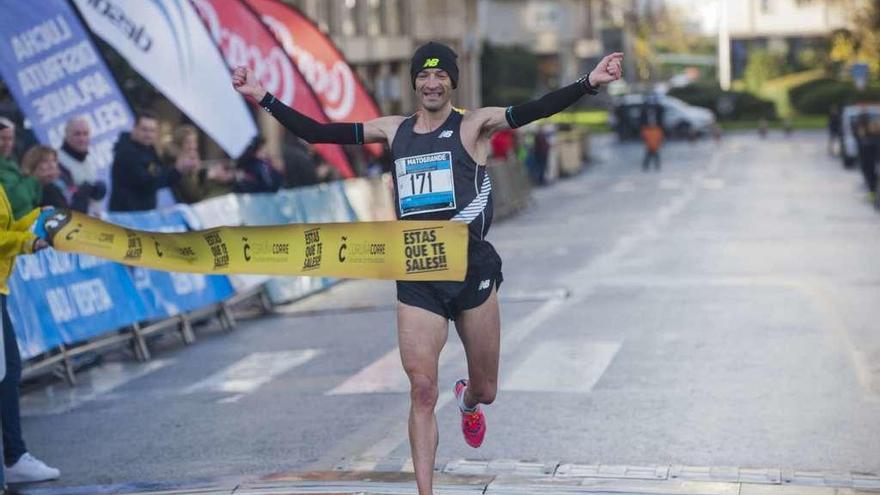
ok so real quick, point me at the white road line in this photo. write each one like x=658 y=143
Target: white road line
x=383 y=375
x=623 y=186
x=563 y=366
x=670 y=184
x=252 y=372
x=92 y=384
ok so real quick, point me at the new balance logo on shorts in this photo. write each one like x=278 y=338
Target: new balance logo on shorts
x=485 y=284
x=445 y=134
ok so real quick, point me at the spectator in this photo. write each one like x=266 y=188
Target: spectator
x=79 y=171
x=503 y=144
x=23 y=192
x=137 y=172
x=199 y=182
x=256 y=170
x=41 y=163
x=299 y=166
x=19 y=466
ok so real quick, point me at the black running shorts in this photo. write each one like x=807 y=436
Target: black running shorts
x=449 y=299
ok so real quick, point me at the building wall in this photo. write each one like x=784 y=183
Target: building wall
x=762 y=18
x=378 y=38
x=568 y=30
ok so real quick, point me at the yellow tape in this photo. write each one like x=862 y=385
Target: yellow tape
x=411 y=250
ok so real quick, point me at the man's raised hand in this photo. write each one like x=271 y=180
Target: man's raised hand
x=245 y=82
x=607 y=70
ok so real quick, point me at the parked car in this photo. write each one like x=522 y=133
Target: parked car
x=849 y=148
x=679 y=118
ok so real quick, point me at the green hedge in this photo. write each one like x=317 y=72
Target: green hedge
x=817 y=97
x=727 y=105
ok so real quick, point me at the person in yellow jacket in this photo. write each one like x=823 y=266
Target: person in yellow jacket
x=19 y=466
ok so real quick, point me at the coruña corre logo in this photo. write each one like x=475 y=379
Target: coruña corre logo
x=334 y=86
x=273 y=69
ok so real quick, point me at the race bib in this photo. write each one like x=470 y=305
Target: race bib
x=425 y=183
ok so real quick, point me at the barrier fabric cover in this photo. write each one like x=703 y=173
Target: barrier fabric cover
x=166 y=43
x=170 y=293
x=55 y=73
x=246 y=41
x=63 y=298
x=410 y=250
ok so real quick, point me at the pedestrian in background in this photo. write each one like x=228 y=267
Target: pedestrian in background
x=79 y=168
x=867 y=134
x=22 y=192
x=257 y=171
x=19 y=466
x=834 y=130
x=41 y=163
x=651 y=124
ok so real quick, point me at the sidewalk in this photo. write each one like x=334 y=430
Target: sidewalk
x=511 y=477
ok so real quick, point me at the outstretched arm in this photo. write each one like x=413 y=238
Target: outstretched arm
x=497 y=118
x=245 y=82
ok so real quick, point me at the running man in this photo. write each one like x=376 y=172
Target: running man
x=439 y=155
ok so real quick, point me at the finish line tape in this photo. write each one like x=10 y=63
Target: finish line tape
x=410 y=250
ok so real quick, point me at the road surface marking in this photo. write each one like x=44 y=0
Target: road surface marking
x=252 y=372
x=563 y=366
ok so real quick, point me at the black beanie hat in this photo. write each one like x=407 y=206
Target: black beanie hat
x=433 y=55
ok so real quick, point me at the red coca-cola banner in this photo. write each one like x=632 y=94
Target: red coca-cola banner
x=245 y=41
x=341 y=93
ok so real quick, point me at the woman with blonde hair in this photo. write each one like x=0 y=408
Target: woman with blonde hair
x=41 y=163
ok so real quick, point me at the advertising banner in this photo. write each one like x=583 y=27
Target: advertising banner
x=411 y=250
x=245 y=41
x=54 y=72
x=167 y=43
x=171 y=293
x=63 y=298
x=342 y=95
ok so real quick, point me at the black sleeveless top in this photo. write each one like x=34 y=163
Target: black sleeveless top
x=435 y=178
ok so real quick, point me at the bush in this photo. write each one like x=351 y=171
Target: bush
x=817 y=97
x=727 y=105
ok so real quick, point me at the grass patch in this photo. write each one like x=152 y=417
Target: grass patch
x=595 y=120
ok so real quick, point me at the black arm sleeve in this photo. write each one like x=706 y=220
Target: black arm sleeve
x=311 y=130
x=549 y=104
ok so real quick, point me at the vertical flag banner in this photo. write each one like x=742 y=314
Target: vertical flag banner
x=342 y=95
x=245 y=40
x=55 y=73
x=167 y=43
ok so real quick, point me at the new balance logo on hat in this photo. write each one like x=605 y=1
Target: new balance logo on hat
x=485 y=284
x=445 y=134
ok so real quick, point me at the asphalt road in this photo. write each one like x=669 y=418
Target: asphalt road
x=721 y=312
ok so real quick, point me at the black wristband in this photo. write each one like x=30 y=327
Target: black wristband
x=591 y=90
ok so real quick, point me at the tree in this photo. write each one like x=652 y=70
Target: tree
x=762 y=67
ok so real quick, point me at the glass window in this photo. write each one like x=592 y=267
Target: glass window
x=349 y=18
x=374 y=18
x=391 y=18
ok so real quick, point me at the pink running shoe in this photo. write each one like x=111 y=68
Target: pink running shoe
x=473 y=423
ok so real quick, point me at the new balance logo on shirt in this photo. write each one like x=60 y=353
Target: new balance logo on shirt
x=445 y=134
x=485 y=284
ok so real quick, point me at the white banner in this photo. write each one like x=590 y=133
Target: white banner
x=167 y=43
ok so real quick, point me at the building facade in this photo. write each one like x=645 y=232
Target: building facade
x=785 y=27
